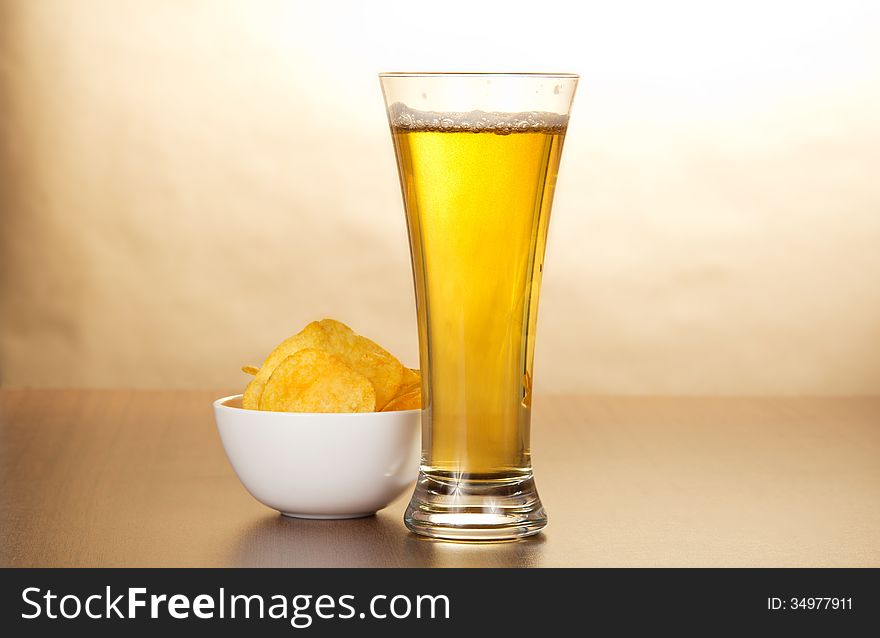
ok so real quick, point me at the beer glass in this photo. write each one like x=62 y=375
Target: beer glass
x=478 y=155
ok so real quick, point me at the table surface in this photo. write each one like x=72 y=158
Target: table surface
x=139 y=478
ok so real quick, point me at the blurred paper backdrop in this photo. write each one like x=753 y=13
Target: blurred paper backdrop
x=185 y=183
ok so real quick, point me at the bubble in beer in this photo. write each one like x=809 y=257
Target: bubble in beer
x=406 y=118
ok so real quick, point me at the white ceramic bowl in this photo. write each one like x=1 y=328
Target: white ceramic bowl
x=321 y=465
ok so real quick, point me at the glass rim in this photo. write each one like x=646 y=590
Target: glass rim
x=475 y=74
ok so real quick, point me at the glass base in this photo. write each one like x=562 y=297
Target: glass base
x=475 y=509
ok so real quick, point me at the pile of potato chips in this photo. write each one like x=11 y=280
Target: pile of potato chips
x=327 y=367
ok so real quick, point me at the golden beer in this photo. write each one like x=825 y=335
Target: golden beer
x=477 y=206
x=477 y=187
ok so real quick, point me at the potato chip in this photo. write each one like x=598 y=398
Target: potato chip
x=250 y=399
x=382 y=368
x=412 y=400
x=406 y=389
x=387 y=375
x=527 y=390
x=251 y=370
x=312 y=336
x=410 y=376
x=311 y=380
x=412 y=380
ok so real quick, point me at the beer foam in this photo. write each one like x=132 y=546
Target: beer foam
x=408 y=119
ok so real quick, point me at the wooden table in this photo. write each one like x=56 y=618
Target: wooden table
x=139 y=478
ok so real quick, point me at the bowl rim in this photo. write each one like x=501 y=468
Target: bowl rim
x=221 y=404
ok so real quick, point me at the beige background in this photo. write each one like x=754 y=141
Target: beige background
x=185 y=183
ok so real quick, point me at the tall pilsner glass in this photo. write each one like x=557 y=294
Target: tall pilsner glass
x=478 y=155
